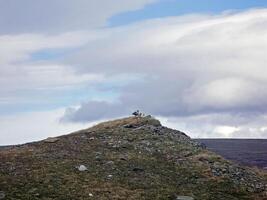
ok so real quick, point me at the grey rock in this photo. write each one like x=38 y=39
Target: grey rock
x=184 y=198
x=110 y=163
x=82 y=168
x=138 y=169
x=123 y=158
x=2 y=195
x=129 y=126
x=51 y=140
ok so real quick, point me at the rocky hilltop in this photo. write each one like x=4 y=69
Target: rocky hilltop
x=130 y=158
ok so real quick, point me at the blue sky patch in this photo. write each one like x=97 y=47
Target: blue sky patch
x=167 y=8
x=51 y=54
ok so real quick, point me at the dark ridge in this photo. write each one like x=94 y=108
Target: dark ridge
x=249 y=152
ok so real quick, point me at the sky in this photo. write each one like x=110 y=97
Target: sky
x=198 y=66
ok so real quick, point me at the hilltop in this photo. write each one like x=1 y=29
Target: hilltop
x=130 y=158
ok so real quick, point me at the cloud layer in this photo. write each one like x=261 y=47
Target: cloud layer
x=33 y=126
x=26 y=80
x=204 y=74
x=192 y=66
x=60 y=15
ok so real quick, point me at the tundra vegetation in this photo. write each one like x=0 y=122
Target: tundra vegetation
x=130 y=158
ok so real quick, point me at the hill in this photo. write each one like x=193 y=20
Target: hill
x=249 y=152
x=130 y=158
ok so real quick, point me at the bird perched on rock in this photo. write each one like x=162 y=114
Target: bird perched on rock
x=137 y=114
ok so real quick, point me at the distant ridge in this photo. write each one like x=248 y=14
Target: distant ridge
x=249 y=152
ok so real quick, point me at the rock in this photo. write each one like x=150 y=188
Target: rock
x=145 y=142
x=33 y=190
x=82 y=168
x=184 y=198
x=91 y=195
x=129 y=126
x=51 y=140
x=110 y=163
x=2 y=195
x=138 y=169
x=123 y=158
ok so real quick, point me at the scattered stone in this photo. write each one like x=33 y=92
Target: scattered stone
x=36 y=194
x=33 y=190
x=129 y=126
x=145 y=142
x=110 y=163
x=2 y=195
x=82 y=168
x=123 y=158
x=184 y=198
x=137 y=151
x=51 y=140
x=138 y=169
x=116 y=146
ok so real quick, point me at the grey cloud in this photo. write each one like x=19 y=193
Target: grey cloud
x=26 y=81
x=202 y=66
x=28 y=16
x=165 y=97
x=220 y=125
x=206 y=72
x=216 y=45
x=95 y=110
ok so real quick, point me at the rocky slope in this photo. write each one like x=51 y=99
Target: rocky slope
x=131 y=158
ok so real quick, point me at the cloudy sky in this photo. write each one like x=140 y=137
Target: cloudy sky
x=199 y=66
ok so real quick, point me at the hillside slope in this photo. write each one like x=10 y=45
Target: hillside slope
x=130 y=158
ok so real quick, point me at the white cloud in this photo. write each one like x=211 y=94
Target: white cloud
x=207 y=71
x=17 y=48
x=226 y=131
x=222 y=125
x=222 y=45
x=227 y=93
x=192 y=65
x=34 y=126
x=19 y=73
